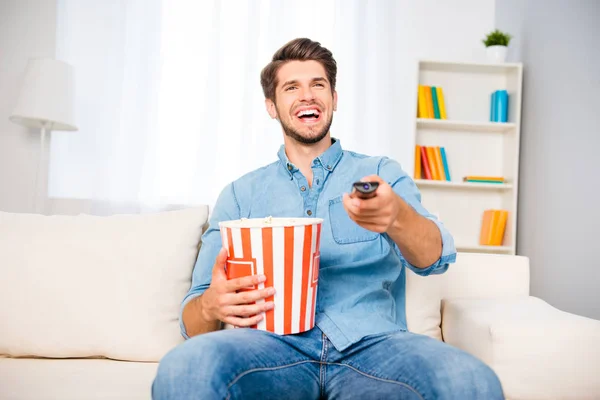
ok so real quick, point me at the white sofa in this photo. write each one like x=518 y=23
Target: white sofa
x=89 y=305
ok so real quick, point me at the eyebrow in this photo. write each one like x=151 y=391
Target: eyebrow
x=295 y=82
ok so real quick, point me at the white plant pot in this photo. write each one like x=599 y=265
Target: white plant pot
x=496 y=54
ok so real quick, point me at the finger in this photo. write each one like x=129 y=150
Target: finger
x=243 y=322
x=360 y=207
x=248 y=310
x=218 y=272
x=250 y=296
x=372 y=178
x=244 y=282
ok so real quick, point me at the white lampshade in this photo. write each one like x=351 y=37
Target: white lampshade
x=46 y=97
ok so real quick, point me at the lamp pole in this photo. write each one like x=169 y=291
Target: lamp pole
x=41 y=176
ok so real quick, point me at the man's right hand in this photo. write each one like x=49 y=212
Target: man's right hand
x=222 y=302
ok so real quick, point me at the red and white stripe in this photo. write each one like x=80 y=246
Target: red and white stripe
x=289 y=258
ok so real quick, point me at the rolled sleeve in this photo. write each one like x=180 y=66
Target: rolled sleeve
x=226 y=208
x=391 y=171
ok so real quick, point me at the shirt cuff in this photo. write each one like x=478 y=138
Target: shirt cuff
x=191 y=296
x=448 y=254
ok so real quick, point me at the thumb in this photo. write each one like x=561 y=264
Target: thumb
x=372 y=178
x=218 y=272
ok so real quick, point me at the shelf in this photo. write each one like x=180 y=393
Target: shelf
x=463 y=185
x=484 y=249
x=463 y=67
x=445 y=124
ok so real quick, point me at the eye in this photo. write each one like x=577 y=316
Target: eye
x=287 y=89
x=319 y=85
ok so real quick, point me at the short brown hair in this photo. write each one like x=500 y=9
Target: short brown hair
x=301 y=49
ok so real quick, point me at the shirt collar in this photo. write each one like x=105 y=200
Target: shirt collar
x=328 y=160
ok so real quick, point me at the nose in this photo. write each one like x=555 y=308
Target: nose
x=307 y=94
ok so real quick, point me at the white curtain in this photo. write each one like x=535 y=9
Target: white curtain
x=168 y=97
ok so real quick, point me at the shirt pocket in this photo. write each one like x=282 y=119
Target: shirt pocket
x=343 y=229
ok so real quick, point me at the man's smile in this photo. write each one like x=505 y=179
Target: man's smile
x=308 y=115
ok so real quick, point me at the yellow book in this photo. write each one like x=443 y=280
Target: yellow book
x=432 y=164
x=499 y=228
x=441 y=104
x=422 y=103
x=429 y=102
x=439 y=164
x=417 y=162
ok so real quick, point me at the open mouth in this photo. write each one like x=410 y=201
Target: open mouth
x=309 y=115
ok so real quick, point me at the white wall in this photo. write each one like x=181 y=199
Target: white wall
x=559 y=191
x=453 y=32
x=27 y=29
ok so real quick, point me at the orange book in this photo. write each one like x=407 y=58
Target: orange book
x=429 y=102
x=417 y=162
x=425 y=163
x=483 y=178
x=432 y=164
x=439 y=164
x=489 y=220
x=499 y=228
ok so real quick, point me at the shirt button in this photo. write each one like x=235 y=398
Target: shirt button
x=329 y=167
x=309 y=212
x=303 y=188
x=289 y=167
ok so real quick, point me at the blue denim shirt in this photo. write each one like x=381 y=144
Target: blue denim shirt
x=361 y=287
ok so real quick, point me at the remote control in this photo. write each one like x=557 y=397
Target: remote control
x=365 y=190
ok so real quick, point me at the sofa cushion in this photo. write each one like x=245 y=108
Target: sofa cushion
x=473 y=275
x=86 y=286
x=25 y=379
x=538 y=351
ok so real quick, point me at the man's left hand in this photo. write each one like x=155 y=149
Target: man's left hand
x=378 y=213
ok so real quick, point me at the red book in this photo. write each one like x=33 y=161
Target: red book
x=425 y=161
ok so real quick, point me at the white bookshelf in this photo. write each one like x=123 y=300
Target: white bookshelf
x=474 y=146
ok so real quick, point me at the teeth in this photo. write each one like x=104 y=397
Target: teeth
x=308 y=112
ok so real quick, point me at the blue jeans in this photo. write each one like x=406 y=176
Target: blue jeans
x=251 y=364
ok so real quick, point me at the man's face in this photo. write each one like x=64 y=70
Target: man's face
x=304 y=103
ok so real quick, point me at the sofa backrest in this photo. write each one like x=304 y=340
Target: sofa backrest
x=90 y=286
x=473 y=275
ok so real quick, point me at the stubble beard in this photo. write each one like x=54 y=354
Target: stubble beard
x=298 y=137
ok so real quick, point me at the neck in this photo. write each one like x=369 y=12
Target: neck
x=302 y=155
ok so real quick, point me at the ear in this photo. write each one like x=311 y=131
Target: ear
x=271 y=109
x=334 y=100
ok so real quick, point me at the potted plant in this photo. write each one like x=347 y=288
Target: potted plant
x=496 y=43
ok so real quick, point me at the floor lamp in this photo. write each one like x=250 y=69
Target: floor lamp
x=45 y=102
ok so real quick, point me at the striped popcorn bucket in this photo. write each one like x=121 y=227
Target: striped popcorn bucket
x=286 y=251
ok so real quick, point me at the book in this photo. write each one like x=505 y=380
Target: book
x=425 y=164
x=436 y=106
x=499 y=106
x=422 y=103
x=499 y=228
x=430 y=102
x=440 y=97
x=499 y=179
x=439 y=164
x=417 y=162
x=445 y=162
x=493 y=226
x=432 y=163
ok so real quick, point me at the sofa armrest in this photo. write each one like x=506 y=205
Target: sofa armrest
x=537 y=350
